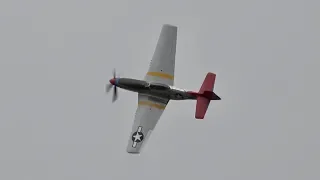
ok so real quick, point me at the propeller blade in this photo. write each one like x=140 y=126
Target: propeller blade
x=115 y=90
x=115 y=94
x=114 y=73
x=108 y=87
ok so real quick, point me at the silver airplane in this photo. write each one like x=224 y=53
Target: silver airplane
x=156 y=90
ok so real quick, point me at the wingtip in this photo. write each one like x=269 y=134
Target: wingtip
x=169 y=25
x=131 y=152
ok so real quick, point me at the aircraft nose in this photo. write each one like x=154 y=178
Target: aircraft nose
x=112 y=81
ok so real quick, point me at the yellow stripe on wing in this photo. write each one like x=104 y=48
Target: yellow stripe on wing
x=160 y=74
x=152 y=104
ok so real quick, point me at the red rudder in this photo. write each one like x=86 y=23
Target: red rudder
x=205 y=95
x=208 y=83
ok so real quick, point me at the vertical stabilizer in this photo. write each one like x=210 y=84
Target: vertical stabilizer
x=205 y=95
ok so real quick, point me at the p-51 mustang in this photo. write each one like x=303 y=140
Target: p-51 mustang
x=156 y=90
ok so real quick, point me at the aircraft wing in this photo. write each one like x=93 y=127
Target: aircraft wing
x=162 y=65
x=148 y=113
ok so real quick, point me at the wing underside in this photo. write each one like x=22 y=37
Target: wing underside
x=148 y=113
x=162 y=65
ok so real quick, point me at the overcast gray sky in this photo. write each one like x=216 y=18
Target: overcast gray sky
x=56 y=122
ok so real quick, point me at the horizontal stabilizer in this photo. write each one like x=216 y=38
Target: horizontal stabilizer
x=201 y=108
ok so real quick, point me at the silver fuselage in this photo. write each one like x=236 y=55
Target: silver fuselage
x=153 y=89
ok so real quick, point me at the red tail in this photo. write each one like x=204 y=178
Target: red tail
x=205 y=95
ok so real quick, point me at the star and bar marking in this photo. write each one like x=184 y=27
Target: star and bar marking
x=137 y=137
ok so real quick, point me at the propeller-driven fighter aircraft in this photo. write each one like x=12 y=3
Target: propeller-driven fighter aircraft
x=156 y=90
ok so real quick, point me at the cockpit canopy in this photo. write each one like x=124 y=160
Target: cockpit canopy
x=158 y=86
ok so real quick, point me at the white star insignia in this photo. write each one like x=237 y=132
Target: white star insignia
x=137 y=137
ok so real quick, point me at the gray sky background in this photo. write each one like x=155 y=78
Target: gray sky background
x=56 y=122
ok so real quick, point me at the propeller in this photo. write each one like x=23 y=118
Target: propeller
x=109 y=86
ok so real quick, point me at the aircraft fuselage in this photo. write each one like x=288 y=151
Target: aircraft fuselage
x=153 y=89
